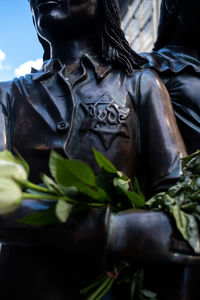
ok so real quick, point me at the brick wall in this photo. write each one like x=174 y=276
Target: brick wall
x=140 y=21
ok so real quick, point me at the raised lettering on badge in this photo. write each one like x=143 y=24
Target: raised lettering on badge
x=106 y=119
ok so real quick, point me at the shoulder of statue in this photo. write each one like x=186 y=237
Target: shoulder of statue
x=6 y=85
x=172 y=59
x=6 y=88
x=9 y=89
x=142 y=75
x=149 y=79
x=151 y=89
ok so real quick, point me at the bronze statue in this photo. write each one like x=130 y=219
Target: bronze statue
x=176 y=58
x=92 y=92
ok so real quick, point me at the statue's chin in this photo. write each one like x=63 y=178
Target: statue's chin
x=51 y=21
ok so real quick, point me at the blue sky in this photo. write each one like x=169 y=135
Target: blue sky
x=18 y=40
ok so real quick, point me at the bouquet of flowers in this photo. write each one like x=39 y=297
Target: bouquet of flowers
x=74 y=185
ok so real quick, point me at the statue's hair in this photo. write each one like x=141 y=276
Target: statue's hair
x=115 y=49
x=168 y=17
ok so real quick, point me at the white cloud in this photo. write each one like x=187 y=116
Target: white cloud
x=2 y=58
x=26 y=67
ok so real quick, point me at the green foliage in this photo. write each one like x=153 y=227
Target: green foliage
x=22 y=162
x=130 y=277
x=45 y=217
x=104 y=163
x=136 y=200
x=53 y=159
x=74 y=173
x=63 y=210
x=145 y=294
x=74 y=187
x=182 y=201
x=72 y=183
x=51 y=185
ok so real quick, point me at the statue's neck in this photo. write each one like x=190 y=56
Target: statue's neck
x=69 y=51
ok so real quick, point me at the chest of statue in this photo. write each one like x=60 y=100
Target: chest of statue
x=74 y=118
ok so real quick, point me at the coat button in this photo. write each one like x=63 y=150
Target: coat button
x=62 y=126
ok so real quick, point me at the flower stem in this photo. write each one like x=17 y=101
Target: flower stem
x=39 y=196
x=35 y=187
x=56 y=198
x=96 y=283
x=106 y=289
x=102 y=289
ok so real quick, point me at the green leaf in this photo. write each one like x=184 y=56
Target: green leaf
x=103 y=162
x=190 y=207
x=156 y=201
x=188 y=227
x=70 y=191
x=63 y=210
x=67 y=172
x=51 y=185
x=190 y=160
x=182 y=221
x=104 y=181
x=22 y=161
x=168 y=201
x=137 y=201
x=73 y=173
x=148 y=294
x=45 y=217
x=53 y=159
x=10 y=196
x=133 y=288
x=194 y=238
x=93 y=193
x=174 y=190
x=136 y=187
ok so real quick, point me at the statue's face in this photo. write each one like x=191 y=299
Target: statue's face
x=189 y=17
x=62 y=16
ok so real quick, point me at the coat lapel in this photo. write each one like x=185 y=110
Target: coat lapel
x=54 y=100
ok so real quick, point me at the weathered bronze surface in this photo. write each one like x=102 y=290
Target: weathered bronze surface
x=176 y=58
x=91 y=93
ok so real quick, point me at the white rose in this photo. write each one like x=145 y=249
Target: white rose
x=10 y=196
x=11 y=167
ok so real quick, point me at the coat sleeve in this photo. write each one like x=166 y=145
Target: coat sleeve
x=161 y=145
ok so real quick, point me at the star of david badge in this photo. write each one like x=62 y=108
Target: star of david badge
x=106 y=119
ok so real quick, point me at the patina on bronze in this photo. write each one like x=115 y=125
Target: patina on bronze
x=176 y=58
x=91 y=93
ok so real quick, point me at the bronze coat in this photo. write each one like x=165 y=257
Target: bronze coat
x=128 y=119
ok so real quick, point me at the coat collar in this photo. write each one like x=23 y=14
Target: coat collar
x=52 y=66
x=173 y=58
